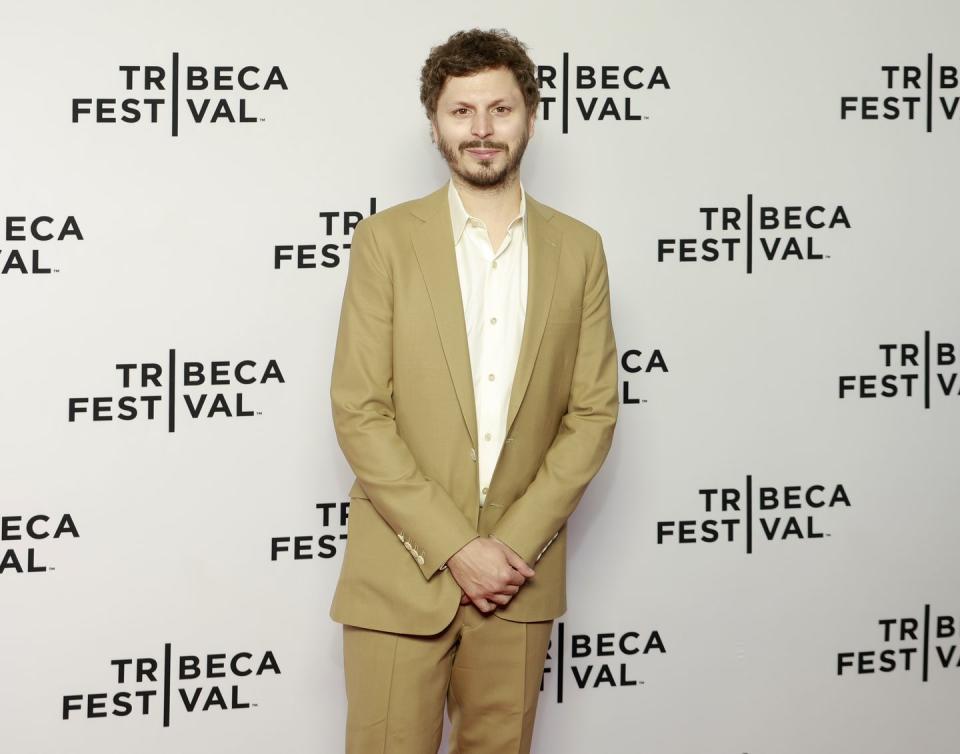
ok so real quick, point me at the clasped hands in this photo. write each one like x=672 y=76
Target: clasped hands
x=489 y=573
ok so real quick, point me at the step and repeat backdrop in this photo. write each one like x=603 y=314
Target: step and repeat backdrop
x=768 y=561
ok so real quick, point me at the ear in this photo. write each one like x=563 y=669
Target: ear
x=434 y=134
x=531 y=122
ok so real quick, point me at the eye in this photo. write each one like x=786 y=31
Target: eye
x=459 y=110
x=503 y=108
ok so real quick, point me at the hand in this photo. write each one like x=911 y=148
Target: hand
x=488 y=572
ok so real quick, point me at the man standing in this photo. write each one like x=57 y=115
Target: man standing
x=474 y=395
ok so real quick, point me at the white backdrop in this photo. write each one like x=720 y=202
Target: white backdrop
x=127 y=549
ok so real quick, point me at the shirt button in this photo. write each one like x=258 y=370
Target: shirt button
x=490 y=377
x=487 y=436
x=493 y=320
x=484 y=490
x=494 y=264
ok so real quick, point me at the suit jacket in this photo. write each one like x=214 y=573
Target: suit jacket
x=405 y=415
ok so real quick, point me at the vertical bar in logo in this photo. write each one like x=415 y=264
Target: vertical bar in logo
x=926 y=369
x=166 y=685
x=566 y=88
x=174 y=98
x=929 y=92
x=926 y=639
x=749 y=514
x=749 y=234
x=559 y=661
x=171 y=391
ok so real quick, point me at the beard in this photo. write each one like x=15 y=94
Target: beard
x=485 y=176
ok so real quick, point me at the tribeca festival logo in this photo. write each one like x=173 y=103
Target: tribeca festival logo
x=338 y=229
x=771 y=233
x=921 y=645
x=20 y=535
x=191 y=683
x=23 y=238
x=916 y=93
x=210 y=390
x=312 y=546
x=605 y=92
x=594 y=661
x=212 y=95
x=638 y=362
x=770 y=513
x=914 y=371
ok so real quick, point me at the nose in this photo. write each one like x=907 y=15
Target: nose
x=482 y=124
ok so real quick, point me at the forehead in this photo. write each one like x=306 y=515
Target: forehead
x=490 y=84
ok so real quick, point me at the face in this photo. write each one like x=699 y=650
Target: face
x=482 y=127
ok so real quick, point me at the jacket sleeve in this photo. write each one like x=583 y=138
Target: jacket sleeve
x=585 y=434
x=426 y=520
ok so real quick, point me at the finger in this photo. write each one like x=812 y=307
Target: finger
x=464 y=599
x=500 y=599
x=520 y=564
x=483 y=605
x=515 y=577
x=510 y=589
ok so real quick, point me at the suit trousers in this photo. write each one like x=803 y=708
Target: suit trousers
x=488 y=671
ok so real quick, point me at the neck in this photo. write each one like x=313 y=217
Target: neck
x=499 y=204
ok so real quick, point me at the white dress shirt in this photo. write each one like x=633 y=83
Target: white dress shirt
x=493 y=287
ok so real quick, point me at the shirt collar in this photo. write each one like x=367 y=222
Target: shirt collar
x=459 y=216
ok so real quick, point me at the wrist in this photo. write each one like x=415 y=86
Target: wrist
x=452 y=557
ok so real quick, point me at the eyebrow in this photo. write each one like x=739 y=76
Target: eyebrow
x=492 y=104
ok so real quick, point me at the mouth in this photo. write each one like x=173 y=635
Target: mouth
x=483 y=154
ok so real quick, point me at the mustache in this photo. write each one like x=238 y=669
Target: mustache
x=483 y=145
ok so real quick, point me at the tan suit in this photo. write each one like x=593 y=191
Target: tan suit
x=405 y=416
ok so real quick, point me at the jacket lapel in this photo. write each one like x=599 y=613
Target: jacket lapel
x=433 y=245
x=543 y=255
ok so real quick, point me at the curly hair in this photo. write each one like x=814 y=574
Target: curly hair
x=469 y=52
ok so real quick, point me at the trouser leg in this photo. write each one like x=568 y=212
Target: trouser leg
x=495 y=684
x=396 y=684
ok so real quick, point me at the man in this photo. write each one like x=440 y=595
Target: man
x=474 y=395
